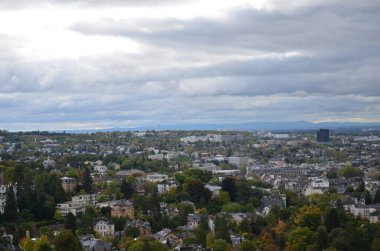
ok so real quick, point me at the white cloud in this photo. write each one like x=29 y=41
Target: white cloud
x=96 y=64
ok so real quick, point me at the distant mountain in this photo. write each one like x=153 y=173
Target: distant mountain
x=253 y=126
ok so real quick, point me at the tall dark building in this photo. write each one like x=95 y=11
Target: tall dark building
x=323 y=135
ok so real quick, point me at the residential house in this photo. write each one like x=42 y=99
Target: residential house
x=166 y=236
x=374 y=217
x=277 y=161
x=192 y=222
x=6 y=243
x=239 y=217
x=143 y=226
x=168 y=209
x=267 y=202
x=69 y=184
x=106 y=204
x=365 y=211
x=123 y=208
x=101 y=169
x=105 y=227
x=312 y=190
x=236 y=240
x=156 y=177
x=90 y=243
x=166 y=186
x=214 y=190
x=49 y=163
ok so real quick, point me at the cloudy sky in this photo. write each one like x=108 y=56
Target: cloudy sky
x=80 y=64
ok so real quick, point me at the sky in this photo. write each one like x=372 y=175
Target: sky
x=91 y=64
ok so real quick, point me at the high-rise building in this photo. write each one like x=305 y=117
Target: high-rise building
x=323 y=135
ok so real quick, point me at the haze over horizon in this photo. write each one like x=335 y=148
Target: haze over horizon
x=84 y=64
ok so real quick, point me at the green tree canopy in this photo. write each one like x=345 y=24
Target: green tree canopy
x=10 y=209
x=67 y=241
x=350 y=172
x=299 y=238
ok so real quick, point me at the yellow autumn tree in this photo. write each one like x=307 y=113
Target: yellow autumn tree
x=308 y=216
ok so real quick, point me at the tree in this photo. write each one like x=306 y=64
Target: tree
x=132 y=231
x=248 y=245
x=126 y=189
x=27 y=244
x=59 y=193
x=243 y=191
x=154 y=205
x=367 y=198
x=361 y=187
x=201 y=231
x=42 y=206
x=106 y=211
x=232 y=207
x=71 y=222
x=87 y=220
x=375 y=244
x=221 y=245
x=119 y=223
x=46 y=231
x=87 y=180
x=331 y=219
x=350 y=172
x=376 y=199
x=146 y=244
x=223 y=197
x=245 y=226
x=197 y=190
x=221 y=229
x=10 y=209
x=67 y=241
x=299 y=238
x=42 y=244
x=308 y=216
x=332 y=174
x=357 y=236
x=228 y=185
x=210 y=238
x=321 y=239
x=204 y=176
x=58 y=215
x=266 y=238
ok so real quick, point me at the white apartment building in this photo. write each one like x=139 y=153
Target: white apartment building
x=77 y=205
x=71 y=207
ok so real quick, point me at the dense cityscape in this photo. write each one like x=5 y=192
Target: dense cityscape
x=189 y=125
x=190 y=190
